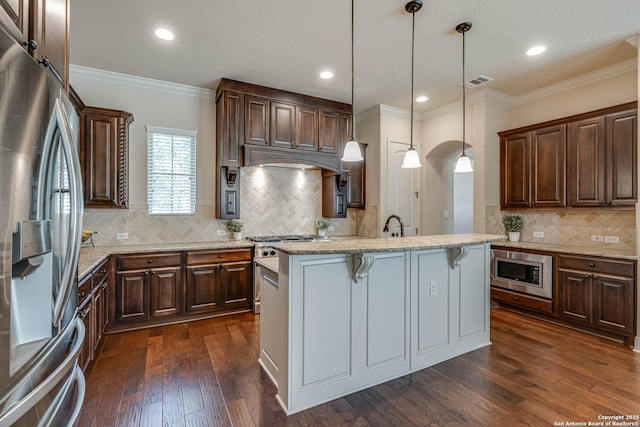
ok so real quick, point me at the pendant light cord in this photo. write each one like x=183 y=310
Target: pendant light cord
x=464 y=99
x=353 y=118
x=413 y=30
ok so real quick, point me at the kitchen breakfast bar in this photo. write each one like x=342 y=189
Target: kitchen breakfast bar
x=345 y=315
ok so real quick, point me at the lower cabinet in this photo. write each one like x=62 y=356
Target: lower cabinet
x=85 y=313
x=598 y=292
x=219 y=280
x=148 y=286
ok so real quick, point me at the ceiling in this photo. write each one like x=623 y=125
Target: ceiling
x=286 y=43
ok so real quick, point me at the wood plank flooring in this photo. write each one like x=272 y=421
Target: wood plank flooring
x=205 y=373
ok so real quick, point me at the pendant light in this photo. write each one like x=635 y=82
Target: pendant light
x=464 y=163
x=352 y=151
x=411 y=157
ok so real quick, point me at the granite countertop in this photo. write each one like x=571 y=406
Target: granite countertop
x=91 y=257
x=570 y=249
x=270 y=262
x=391 y=244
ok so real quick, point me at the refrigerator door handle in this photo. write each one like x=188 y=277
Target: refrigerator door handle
x=77 y=377
x=14 y=413
x=60 y=121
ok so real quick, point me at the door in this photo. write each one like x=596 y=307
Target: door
x=283 y=131
x=306 y=128
x=203 y=288
x=622 y=163
x=166 y=290
x=402 y=190
x=575 y=295
x=586 y=162
x=14 y=14
x=50 y=31
x=328 y=131
x=548 y=166
x=236 y=284
x=514 y=171
x=132 y=295
x=613 y=303
x=256 y=120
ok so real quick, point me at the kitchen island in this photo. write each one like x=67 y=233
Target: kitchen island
x=346 y=315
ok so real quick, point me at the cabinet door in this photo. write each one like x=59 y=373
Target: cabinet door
x=575 y=295
x=203 y=288
x=613 y=303
x=548 y=147
x=230 y=129
x=357 y=180
x=98 y=316
x=514 y=171
x=256 y=120
x=14 y=14
x=132 y=295
x=622 y=163
x=306 y=128
x=50 y=30
x=586 y=160
x=166 y=290
x=236 y=284
x=86 y=353
x=329 y=131
x=282 y=124
x=104 y=309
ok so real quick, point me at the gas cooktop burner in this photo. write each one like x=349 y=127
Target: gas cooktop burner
x=282 y=238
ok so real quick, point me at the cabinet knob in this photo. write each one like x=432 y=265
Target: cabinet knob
x=516 y=298
x=150 y=261
x=31 y=45
x=601 y=202
x=104 y=285
x=609 y=202
x=146 y=273
x=45 y=61
x=220 y=256
x=596 y=277
x=592 y=264
x=82 y=294
x=103 y=271
x=586 y=276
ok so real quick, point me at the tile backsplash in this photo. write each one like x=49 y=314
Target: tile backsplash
x=571 y=227
x=273 y=201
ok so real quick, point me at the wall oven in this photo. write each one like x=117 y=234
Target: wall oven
x=523 y=272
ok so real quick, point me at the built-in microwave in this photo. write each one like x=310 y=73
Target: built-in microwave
x=522 y=271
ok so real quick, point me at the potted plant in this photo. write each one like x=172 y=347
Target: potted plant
x=235 y=226
x=513 y=224
x=321 y=225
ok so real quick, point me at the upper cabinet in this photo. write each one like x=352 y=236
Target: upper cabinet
x=104 y=141
x=588 y=160
x=42 y=27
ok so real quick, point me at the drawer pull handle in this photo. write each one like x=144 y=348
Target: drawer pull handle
x=83 y=294
x=516 y=298
x=592 y=264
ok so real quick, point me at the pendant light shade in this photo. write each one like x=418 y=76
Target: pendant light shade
x=464 y=163
x=352 y=151
x=411 y=157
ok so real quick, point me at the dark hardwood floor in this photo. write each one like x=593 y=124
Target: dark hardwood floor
x=205 y=373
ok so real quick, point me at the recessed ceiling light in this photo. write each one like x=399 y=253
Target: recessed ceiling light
x=536 y=50
x=422 y=99
x=164 y=34
x=326 y=75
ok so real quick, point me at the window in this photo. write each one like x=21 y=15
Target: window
x=171 y=171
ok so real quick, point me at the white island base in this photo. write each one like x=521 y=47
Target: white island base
x=337 y=323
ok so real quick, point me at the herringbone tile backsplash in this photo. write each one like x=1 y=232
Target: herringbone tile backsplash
x=571 y=227
x=274 y=201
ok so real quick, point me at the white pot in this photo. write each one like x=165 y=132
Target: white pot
x=514 y=236
x=237 y=235
x=322 y=233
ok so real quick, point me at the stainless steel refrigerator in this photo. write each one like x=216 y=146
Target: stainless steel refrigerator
x=41 y=336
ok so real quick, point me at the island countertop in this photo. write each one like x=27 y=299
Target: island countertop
x=388 y=244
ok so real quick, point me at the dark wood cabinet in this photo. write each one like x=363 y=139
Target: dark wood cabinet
x=335 y=188
x=357 y=181
x=148 y=286
x=333 y=131
x=256 y=120
x=229 y=128
x=306 y=128
x=85 y=313
x=602 y=160
x=14 y=15
x=283 y=124
x=533 y=168
x=597 y=291
x=49 y=22
x=586 y=160
x=219 y=280
x=104 y=141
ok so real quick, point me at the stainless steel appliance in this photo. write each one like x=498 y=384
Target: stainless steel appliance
x=40 y=233
x=522 y=271
x=263 y=249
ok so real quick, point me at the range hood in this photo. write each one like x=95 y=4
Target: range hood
x=284 y=157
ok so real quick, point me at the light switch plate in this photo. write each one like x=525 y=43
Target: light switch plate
x=538 y=234
x=221 y=233
x=611 y=239
x=122 y=236
x=331 y=228
x=433 y=288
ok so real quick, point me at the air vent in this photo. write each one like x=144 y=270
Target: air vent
x=477 y=81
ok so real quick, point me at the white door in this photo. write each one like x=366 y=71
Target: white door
x=402 y=190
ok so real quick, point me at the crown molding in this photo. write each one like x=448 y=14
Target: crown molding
x=579 y=81
x=139 y=82
x=395 y=111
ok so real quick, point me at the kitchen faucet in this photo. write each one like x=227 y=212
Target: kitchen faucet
x=386 y=224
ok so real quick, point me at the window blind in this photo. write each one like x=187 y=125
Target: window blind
x=171 y=171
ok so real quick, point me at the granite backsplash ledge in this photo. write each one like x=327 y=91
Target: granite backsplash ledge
x=571 y=227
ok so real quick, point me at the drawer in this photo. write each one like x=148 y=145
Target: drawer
x=101 y=272
x=84 y=289
x=138 y=262
x=218 y=257
x=599 y=265
x=522 y=300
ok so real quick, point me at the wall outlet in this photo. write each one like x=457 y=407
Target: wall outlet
x=122 y=236
x=538 y=234
x=445 y=214
x=597 y=238
x=331 y=228
x=221 y=233
x=611 y=239
x=433 y=288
